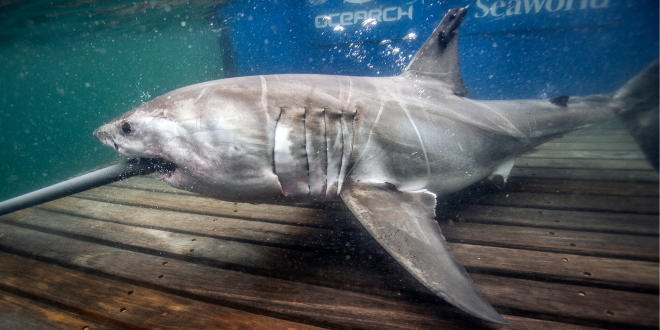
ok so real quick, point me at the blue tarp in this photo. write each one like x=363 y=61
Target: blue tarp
x=508 y=49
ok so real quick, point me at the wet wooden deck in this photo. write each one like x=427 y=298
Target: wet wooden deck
x=571 y=243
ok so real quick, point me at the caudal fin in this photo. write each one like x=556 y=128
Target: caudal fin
x=639 y=110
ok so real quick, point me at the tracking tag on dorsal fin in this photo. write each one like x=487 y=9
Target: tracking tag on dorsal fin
x=438 y=57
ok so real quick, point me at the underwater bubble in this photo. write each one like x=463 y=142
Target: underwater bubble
x=385 y=41
x=410 y=36
x=183 y=23
x=339 y=28
x=396 y=50
x=369 y=22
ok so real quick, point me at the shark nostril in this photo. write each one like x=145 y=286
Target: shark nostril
x=116 y=146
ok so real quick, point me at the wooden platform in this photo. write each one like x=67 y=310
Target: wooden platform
x=572 y=243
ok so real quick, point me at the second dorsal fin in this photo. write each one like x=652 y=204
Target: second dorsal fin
x=438 y=57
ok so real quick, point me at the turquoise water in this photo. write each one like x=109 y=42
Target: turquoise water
x=67 y=69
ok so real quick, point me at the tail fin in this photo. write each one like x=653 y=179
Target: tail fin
x=640 y=113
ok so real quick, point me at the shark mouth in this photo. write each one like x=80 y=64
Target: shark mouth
x=165 y=169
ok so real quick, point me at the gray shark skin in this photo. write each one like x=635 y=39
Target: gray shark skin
x=385 y=146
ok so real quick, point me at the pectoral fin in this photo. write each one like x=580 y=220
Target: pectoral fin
x=403 y=223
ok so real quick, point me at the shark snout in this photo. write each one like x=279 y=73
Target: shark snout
x=104 y=136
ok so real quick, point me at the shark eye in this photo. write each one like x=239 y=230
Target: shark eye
x=126 y=127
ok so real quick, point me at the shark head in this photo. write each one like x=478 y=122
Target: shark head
x=136 y=134
x=208 y=145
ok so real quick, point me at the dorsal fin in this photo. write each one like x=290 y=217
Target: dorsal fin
x=438 y=57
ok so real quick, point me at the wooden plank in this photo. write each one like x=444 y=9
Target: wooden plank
x=298 y=301
x=21 y=313
x=611 y=272
x=232 y=253
x=519 y=323
x=600 y=131
x=550 y=266
x=622 y=223
x=599 y=305
x=589 y=146
x=224 y=253
x=209 y=206
x=634 y=205
x=150 y=183
x=615 y=138
x=209 y=226
x=582 y=187
x=630 y=247
x=221 y=251
x=308 y=267
x=588 y=154
x=292 y=300
x=125 y=305
x=584 y=174
x=614 y=123
x=600 y=164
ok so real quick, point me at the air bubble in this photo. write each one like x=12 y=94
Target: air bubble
x=410 y=36
x=369 y=22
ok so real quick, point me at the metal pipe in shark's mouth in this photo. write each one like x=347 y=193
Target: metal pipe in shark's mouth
x=113 y=173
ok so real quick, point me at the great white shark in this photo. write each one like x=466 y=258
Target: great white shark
x=386 y=146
